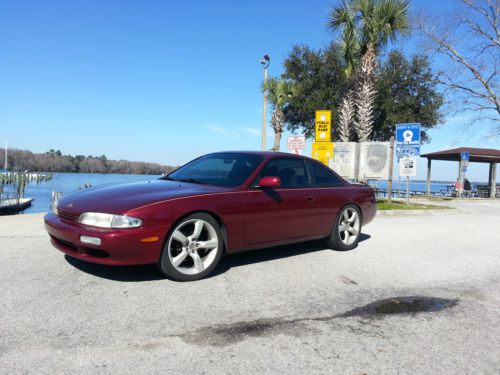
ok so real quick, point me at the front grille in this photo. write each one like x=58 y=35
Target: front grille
x=97 y=253
x=70 y=245
x=66 y=216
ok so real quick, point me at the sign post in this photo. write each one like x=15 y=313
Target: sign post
x=322 y=149
x=408 y=146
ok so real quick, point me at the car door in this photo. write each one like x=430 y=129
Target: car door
x=327 y=189
x=280 y=214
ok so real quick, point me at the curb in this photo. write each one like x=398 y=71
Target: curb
x=438 y=212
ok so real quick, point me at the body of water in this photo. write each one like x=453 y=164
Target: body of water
x=68 y=182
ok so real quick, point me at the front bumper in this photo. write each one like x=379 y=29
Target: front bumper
x=118 y=246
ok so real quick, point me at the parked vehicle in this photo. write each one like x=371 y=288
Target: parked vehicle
x=217 y=204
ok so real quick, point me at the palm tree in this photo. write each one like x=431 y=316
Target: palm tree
x=373 y=23
x=280 y=91
x=344 y=17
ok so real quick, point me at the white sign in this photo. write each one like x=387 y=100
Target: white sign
x=374 y=160
x=296 y=142
x=344 y=162
x=408 y=167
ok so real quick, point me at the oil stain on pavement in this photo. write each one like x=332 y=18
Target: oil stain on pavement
x=226 y=334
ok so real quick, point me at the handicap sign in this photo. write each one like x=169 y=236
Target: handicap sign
x=408 y=133
x=465 y=155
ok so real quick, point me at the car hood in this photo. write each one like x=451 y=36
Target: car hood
x=121 y=198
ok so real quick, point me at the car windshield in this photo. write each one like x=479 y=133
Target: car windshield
x=228 y=169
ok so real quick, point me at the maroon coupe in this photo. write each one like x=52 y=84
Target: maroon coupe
x=218 y=203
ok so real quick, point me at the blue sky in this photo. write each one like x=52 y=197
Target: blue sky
x=162 y=81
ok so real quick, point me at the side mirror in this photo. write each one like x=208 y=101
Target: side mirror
x=270 y=182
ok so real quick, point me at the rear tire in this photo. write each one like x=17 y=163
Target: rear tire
x=193 y=248
x=346 y=231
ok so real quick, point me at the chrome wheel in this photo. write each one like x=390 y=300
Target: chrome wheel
x=193 y=246
x=349 y=226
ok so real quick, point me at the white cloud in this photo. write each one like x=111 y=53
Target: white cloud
x=222 y=131
x=252 y=131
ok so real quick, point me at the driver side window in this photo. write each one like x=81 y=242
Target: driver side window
x=291 y=171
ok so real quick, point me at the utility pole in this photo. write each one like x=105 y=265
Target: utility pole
x=265 y=64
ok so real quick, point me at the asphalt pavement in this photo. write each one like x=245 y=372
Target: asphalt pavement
x=293 y=309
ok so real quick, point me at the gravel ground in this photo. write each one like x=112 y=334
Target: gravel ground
x=292 y=309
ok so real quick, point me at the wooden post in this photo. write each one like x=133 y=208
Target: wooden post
x=493 y=183
x=391 y=170
x=428 y=188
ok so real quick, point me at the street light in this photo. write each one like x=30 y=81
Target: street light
x=265 y=63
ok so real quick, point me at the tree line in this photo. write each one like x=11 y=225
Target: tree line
x=55 y=161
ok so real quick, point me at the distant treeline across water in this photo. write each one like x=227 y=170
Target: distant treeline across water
x=55 y=161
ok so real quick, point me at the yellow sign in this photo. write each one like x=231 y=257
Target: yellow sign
x=322 y=151
x=323 y=126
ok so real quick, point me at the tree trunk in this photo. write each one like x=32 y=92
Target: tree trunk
x=365 y=94
x=277 y=123
x=346 y=115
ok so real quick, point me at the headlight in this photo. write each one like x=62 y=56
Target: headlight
x=96 y=219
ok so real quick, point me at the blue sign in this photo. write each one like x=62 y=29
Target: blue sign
x=408 y=133
x=465 y=155
x=407 y=150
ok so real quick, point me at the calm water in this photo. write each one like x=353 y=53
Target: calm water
x=67 y=182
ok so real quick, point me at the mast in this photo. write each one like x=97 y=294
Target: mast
x=5 y=155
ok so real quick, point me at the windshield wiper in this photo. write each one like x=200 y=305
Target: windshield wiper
x=192 y=180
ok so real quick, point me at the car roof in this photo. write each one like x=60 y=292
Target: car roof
x=269 y=154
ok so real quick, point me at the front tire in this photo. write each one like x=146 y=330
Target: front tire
x=193 y=248
x=347 y=228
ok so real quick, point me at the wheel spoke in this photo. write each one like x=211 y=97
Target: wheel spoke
x=342 y=227
x=353 y=217
x=198 y=263
x=346 y=216
x=176 y=261
x=177 y=235
x=198 y=227
x=210 y=244
x=353 y=230
x=346 y=234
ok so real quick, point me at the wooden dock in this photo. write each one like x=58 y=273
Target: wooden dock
x=13 y=205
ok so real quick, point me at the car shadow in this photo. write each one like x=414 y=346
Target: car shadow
x=273 y=253
x=147 y=272
x=150 y=272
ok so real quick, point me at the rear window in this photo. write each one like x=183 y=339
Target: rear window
x=322 y=176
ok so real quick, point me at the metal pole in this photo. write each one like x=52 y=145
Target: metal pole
x=264 y=112
x=407 y=190
x=391 y=167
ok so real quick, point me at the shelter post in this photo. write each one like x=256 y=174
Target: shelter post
x=493 y=179
x=428 y=189
x=460 y=184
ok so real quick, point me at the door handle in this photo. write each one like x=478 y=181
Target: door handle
x=310 y=198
